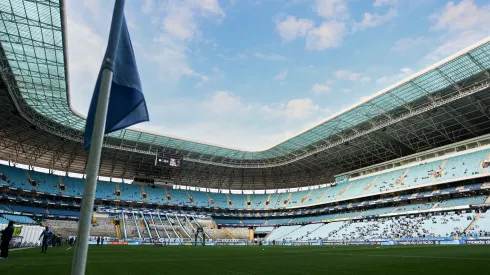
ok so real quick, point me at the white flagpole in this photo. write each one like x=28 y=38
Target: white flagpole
x=84 y=224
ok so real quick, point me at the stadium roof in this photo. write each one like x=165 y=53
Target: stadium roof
x=434 y=107
x=33 y=38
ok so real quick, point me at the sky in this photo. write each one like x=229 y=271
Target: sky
x=250 y=73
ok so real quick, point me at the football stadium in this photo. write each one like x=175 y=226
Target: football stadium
x=398 y=183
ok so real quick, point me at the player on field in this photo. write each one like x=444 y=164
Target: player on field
x=46 y=237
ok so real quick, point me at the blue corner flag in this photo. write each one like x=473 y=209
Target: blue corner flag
x=127 y=104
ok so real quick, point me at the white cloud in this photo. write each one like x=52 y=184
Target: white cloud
x=94 y=6
x=211 y=42
x=372 y=20
x=320 y=89
x=391 y=79
x=242 y=56
x=462 y=17
x=86 y=51
x=180 y=23
x=272 y=57
x=365 y=79
x=449 y=47
x=208 y=7
x=238 y=56
x=352 y=76
x=292 y=28
x=281 y=75
x=332 y=9
x=204 y=79
x=148 y=6
x=461 y=24
x=328 y=35
x=347 y=75
x=380 y=3
x=405 y=44
x=406 y=70
x=293 y=109
x=179 y=28
x=224 y=102
x=382 y=80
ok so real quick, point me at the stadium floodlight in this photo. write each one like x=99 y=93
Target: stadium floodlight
x=117 y=103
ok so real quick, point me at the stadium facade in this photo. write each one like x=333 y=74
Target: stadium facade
x=419 y=146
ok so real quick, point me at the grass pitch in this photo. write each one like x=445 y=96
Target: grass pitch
x=118 y=260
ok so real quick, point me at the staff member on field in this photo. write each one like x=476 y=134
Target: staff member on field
x=7 y=234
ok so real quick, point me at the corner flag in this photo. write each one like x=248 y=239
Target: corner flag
x=127 y=104
x=117 y=103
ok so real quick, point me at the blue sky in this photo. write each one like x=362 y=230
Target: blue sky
x=250 y=73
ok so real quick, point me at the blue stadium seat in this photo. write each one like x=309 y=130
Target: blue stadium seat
x=19 y=219
x=27 y=209
x=64 y=212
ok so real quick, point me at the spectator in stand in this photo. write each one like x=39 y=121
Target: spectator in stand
x=7 y=234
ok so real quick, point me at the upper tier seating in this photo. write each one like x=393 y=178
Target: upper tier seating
x=73 y=186
x=414 y=207
x=3 y=207
x=463 y=201
x=414 y=175
x=47 y=183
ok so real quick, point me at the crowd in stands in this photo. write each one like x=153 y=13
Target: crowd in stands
x=468 y=164
x=445 y=224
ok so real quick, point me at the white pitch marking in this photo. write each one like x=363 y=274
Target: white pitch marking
x=404 y=256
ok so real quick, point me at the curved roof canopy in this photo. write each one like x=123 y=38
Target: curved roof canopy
x=33 y=38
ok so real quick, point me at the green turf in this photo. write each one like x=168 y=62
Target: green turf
x=115 y=260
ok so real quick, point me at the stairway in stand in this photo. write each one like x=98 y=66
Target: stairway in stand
x=475 y=220
x=435 y=205
x=118 y=231
x=60 y=183
x=228 y=233
x=30 y=179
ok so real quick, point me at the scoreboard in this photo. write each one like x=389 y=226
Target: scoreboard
x=164 y=160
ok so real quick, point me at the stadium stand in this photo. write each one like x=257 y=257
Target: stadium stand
x=430 y=225
x=480 y=227
x=64 y=228
x=264 y=229
x=27 y=209
x=19 y=219
x=64 y=212
x=462 y=201
x=3 y=208
x=411 y=176
x=418 y=182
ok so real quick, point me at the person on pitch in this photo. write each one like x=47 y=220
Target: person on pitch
x=46 y=235
x=7 y=234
